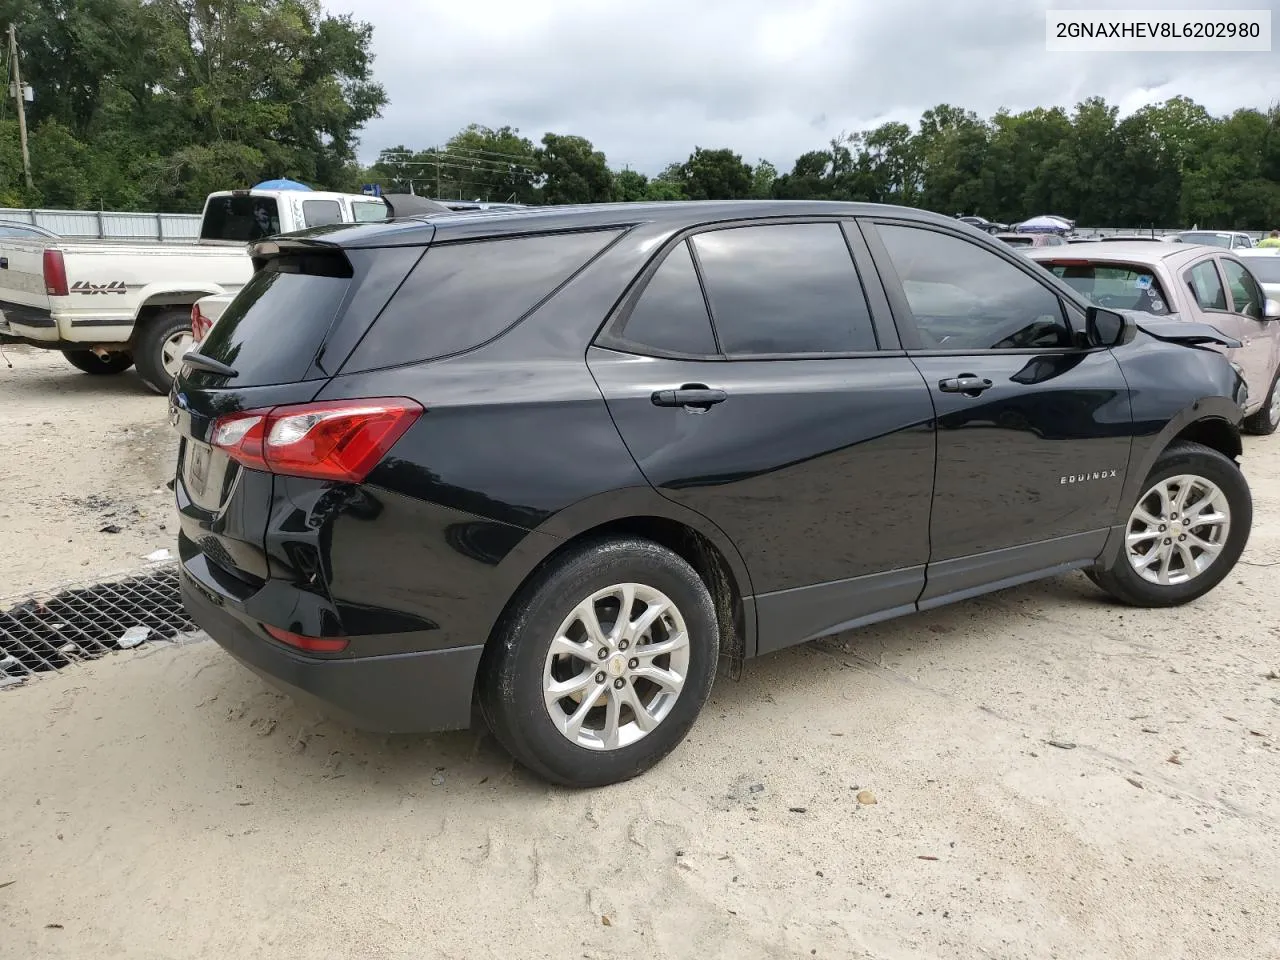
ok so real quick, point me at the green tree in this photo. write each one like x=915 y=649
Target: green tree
x=716 y=175
x=573 y=171
x=630 y=186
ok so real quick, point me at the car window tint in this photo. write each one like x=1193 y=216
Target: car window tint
x=784 y=288
x=463 y=294
x=1246 y=297
x=964 y=297
x=1206 y=286
x=671 y=314
x=316 y=213
x=1118 y=287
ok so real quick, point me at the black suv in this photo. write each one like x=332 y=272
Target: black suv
x=561 y=462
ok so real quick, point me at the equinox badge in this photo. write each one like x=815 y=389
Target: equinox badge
x=1084 y=477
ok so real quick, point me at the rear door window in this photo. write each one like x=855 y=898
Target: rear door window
x=365 y=212
x=1206 y=286
x=461 y=295
x=784 y=289
x=240 y=218
x=318 y=213
x=276 y=324
x=671 y=315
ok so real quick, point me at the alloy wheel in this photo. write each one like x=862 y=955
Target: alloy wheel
x=616 y=666
x=173 y=350
x=1177 y=530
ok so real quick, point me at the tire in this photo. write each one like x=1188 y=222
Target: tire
x=519 y=662
x=1209 y=470
x=1267 y=419
x=88 y=361
x=158 y=337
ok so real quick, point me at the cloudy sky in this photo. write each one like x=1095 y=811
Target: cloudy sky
x=647 y=80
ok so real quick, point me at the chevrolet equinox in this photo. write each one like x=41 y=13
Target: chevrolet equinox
x=560 y=463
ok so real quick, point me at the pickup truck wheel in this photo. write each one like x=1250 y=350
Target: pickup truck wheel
x=1265 y=421
x=1185 y=533
x=159 y=345
x=90 y=362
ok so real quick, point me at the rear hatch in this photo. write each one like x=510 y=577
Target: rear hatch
x=277 y=343
x=30 y=269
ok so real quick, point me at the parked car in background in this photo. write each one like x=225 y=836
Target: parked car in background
x=108 y=304
x=739 y=426
x=1216 y=238
x=1264 y=264
x=15 y=228
x=1029 y=240
x=983 y=224
x=1192 y=283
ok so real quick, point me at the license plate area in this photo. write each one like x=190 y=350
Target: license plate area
x=196 y=467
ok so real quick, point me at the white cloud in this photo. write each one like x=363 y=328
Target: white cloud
x=648 y=80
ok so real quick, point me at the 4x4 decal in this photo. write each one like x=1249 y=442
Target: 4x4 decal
x=84 y=286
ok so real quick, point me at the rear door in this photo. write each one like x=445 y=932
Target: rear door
x=757 y=380
x=1033 y=432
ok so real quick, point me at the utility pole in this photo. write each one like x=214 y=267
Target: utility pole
x=22 y=110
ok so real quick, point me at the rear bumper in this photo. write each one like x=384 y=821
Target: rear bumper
x=394 y=693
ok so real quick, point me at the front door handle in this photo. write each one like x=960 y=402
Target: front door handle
x=695 y=395
x=966 y=383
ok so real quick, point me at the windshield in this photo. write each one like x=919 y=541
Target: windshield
x=1115 y=286
x=1209 y=239
x=1266 y=269
x=240 y=218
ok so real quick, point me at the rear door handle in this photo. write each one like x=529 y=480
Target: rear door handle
x=695 y=395
x=966 y=383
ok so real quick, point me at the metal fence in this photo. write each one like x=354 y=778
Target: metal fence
x=108 y=225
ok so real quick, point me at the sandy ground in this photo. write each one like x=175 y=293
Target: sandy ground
x=1054 y=777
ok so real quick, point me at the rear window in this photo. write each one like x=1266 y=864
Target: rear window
x=364 y=212
x=461 y=295
x=282 y=315
x=1018 y=241
x=1117 y=287
x=1208 y=239
x=243 y=218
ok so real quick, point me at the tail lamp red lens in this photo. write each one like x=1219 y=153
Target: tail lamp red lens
x=55 y=273
x=334 y=440
x=309 y=644
x=200 y=324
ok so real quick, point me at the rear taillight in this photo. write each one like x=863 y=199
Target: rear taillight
x=309 y=644
x=334 y=440
x=200 y=324
x=55 y=273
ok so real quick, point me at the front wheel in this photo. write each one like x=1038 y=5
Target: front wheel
x=90 y=362
x=1266 y=420
x=1186 y=531
x=603 y=663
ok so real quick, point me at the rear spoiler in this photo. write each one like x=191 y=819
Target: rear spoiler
x=1183 y=331
x=411 y=205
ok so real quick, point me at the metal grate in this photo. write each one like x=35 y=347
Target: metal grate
x=52 y=630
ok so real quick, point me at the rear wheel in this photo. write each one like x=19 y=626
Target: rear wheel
x=1267 y=419
x=1186 y=531
x=115 y=362
x=159 y=345
x=603 y=664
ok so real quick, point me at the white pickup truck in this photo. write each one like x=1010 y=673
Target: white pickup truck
x=108 y=304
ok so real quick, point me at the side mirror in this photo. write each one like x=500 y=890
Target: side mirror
x=1107 y=328
x=1271 y=309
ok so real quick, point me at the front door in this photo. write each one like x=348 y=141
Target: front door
x=1255 y=331
x=783 y=422
x=1033 y=431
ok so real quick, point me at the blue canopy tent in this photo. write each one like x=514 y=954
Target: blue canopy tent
x=281 y=185
x=1044 y=225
